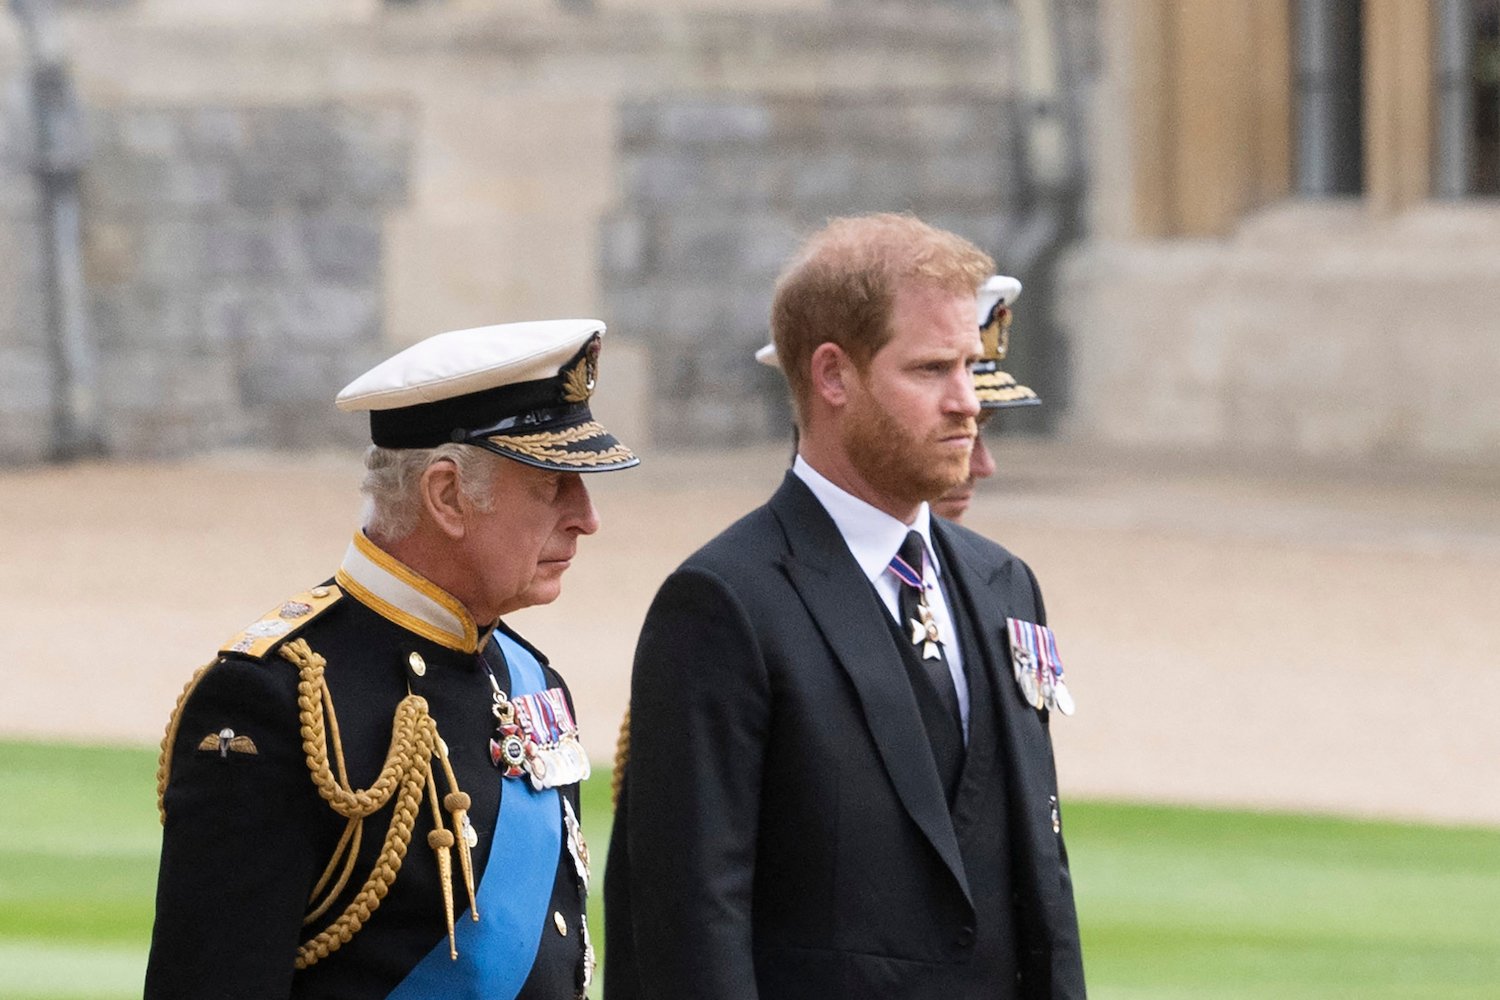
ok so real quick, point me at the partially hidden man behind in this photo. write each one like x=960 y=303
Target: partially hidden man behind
x=373 y=790
x=840 y=779
x=995 y=388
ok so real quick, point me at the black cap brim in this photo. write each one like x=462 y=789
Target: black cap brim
x=584 y=446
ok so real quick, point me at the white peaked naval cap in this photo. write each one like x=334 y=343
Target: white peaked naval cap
x=520 y=390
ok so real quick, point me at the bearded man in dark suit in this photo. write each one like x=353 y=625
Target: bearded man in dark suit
x=840 y=779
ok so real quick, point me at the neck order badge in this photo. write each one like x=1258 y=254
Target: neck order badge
x=907 y=565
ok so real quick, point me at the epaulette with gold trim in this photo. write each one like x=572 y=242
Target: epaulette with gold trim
x=281 y=622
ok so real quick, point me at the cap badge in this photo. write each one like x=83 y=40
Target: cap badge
x=579 y=380
x=995 y=337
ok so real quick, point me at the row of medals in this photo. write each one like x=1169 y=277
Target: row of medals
x=516 y=752
x=1040 y=686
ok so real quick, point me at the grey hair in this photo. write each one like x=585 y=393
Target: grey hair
x=393 y=501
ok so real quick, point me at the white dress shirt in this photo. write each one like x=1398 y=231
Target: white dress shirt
x=873 y=537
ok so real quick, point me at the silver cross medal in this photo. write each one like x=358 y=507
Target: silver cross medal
x=925 y=632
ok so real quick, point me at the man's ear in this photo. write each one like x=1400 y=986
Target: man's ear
x=831 y=368
x=442 y=500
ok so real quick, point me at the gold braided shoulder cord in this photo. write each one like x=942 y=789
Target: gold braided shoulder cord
x=169 y=740
x=407 y=772
x=622 y=757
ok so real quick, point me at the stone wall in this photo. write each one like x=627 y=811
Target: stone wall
x=234 y=268
x=279 y=193
x=716 y=193
x=25 y=368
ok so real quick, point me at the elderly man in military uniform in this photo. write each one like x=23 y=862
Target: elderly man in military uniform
x=372 y=791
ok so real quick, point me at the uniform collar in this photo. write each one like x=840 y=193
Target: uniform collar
x=873 y=536
x=400 y=594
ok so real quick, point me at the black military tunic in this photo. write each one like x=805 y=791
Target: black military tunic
x=248 y=833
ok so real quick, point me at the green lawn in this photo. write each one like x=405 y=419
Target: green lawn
x=1174 y=902
x=1233 y=906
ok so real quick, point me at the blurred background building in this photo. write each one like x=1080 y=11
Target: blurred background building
x=1262 y=228
x=1295 y=242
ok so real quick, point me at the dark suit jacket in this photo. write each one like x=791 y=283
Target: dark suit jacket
x=782 y=832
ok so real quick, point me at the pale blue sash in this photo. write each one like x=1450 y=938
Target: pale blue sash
x=496 y=954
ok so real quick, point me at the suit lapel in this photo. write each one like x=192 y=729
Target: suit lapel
x=990 y=597
x=825 y=574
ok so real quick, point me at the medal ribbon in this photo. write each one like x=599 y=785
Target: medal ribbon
x=1040 y=642
x=1049 y=643
x=496 y=954
x=559 y=708
x=904 y=572
x=544 y=716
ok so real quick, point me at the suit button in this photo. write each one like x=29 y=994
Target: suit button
x=965 y=937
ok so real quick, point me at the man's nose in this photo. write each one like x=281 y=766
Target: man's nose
x=580 y=513
x=962 y=399
x=981 y=462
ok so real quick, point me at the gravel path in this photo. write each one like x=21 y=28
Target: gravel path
x=1322 y=640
